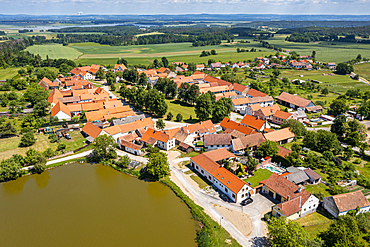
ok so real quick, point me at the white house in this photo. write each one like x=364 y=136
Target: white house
x=61 y=111
x=340 y=204
x=217 y=141
x=206 y=164
x=159 y=139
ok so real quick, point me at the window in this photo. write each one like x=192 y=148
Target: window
x=242 y=195
x=226 y=190
x=202 y=171
x=233 y=195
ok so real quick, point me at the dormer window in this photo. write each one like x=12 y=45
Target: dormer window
x=222 y=178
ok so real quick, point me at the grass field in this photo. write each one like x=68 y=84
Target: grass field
x=363 y=70
x=177 y=106
x=8 y=73
x=325 y=52
x=315 y=223
x=318 y=188
x=259 y=175
x=10 y=146
x=54 y=51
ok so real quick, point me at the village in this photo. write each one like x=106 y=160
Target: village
x=230 y=160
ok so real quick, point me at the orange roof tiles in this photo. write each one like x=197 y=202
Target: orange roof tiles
x=121 y=66
x=279 y=135
x=282 y=114
x=293 y=99
x=129 y=144
x=291 y=207
x=91 y=130
x=54 y=96
x=350 y=201
x=60 y=107
x=241 y=101
x=230 y=124
x=253 y=122
x=158 y=135
x=255 y=93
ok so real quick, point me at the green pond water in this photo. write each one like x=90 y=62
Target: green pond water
x=91 y=205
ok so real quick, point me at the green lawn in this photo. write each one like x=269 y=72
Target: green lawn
x=363 y=70
x=318 y=188
x=201 y=182
x=8 y=73
x=10 y=146
x=259 y=175
x=315 y=223
x=177 y=106
x=191 y=154
x=325 y=51
x=54 y=51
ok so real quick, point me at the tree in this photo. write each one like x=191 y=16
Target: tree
x=27 y=139
x=46 y=72
x=124 y=161
x=269 y=148
x=364 y=109
x=276 y=72
x=213 y=52
x=164 y=62
x=41 y=108
x=313 y=55
x=343 y=232
x=35 y=158
x=9 y=169
x=122 y=61
x=35 y=93
x=157 y=166
x=203 y=107
x=348 y=153
x=178 y=117
x=156 y=63
x=221 y=109
x=7 y=130
x=156 y=102
x=338 y=106
x=160 y=124
x=103 y=148
x=325 y=91
x=343 y=69
x=295 y=126
x=192 y=93
x=338 y=126
x=169 y=116
x=286 y=233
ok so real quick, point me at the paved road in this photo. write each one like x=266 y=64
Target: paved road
x=254 y=210
x=132 y=157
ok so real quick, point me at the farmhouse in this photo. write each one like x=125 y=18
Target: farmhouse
x=206 y=164
x=61 y=111
x=339 y=205
x=91 y=131
x=267 y=112
x=293 y=101
x=257 y=124
x=217 y=141
x=280 y=116
x=281 y=136
x=46 y=84
x=294 y=201
x=119 y=67
x=158 y=138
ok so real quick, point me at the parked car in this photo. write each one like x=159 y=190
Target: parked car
x=224 y=197
x=67 y=136
x=246 y=201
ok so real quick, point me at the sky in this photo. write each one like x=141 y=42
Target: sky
x=68 y=7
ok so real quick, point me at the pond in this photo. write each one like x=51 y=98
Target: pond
x=92 y=205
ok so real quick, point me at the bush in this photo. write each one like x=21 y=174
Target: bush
x=357 y=161
x=169 y=116
x=179 y=117
x=267 y=217
x=28 y=139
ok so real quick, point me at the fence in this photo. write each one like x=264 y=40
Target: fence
x=63 y=122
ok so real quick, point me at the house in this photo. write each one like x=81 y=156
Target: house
x=315 y=109
x=206 y=164
x=267 y=112
x=242 y=105
x=240 y=89
x=252 y=109
x=300 y=116
x=46 y=84
x=158 y=138
x=255 y=123
x=229 y=126
x=331 y=65
x=280 y=116
x=129 y=146
x=339 y=205
x=255 y=93
x=200 y=66
x=251 y=142
x=119 y=67
x=215 y=65
x=281 y=136
x=61 y=111
x=293 y=101
x=91 y=131
x=294 y=201
x=163 y=71
x=314 y=177
x=185 y=147
x=299 y=177
x=200 y=129
x=217 y=141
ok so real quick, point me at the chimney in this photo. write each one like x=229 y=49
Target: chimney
x=288 y=198
x=299 y=190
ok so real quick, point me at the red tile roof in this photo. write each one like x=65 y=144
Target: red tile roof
x=350 y=201
x=255 y=93
x=291 y=207
x=253 y=122
x=91 y=130
x=158 y=135
x=282 y=114
x=60 y=107
x=293 y=99
x=279 y=135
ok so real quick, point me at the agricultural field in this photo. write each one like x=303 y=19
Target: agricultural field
x=363 y=70
x=325 y=51
x=8 y=73
x=54 y=51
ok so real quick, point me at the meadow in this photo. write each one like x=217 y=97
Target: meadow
x=8 y=73
x=325 y=51
x=54 y=51
x=363 y=70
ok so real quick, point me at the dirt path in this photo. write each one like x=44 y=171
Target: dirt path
x=240 y=220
